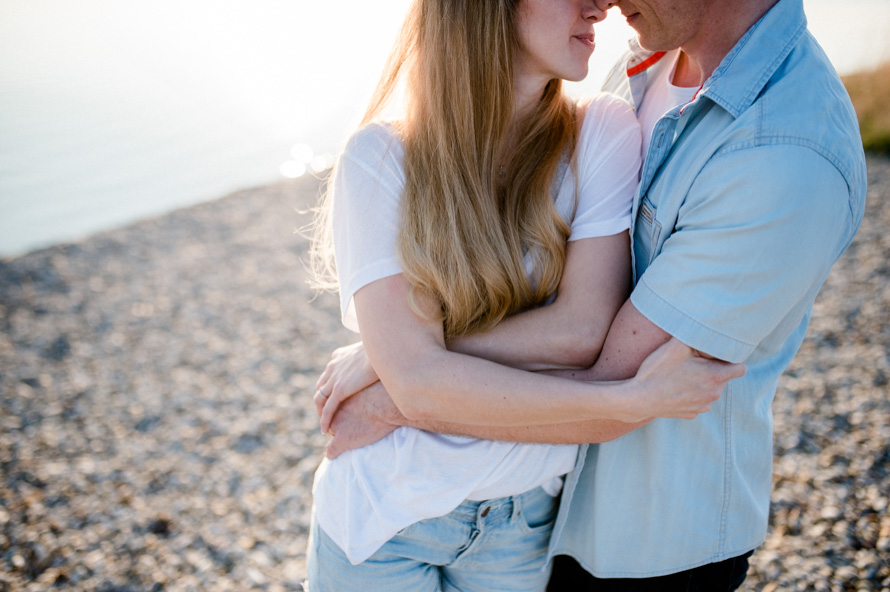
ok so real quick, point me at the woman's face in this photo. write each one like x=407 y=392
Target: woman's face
x=555 y=39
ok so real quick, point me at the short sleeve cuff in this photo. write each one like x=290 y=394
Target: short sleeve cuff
x=687 y=329
x=603 y=228
x=361 y=278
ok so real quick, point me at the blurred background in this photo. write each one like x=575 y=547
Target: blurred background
x=157 y=431
x=113 y=111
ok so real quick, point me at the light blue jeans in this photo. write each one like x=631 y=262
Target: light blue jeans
x=498 y=545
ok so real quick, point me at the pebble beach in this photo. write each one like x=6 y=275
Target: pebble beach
x=157 y=431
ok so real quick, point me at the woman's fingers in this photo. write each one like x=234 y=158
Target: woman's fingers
x=727 y=371
x=326 y=375
x=714 y=374
x=681 y=382
x=319 y=400
x=347 y=372
x=332 y=375
x=337 y=365
x=323 y=387
x=709 y=377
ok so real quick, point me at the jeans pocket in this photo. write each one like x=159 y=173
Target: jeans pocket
x=537 y=509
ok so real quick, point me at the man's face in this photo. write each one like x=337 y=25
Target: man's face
x=663 y=25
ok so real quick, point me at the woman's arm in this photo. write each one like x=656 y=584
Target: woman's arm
x=426 y=381
x=568 y=333
x=371 y=414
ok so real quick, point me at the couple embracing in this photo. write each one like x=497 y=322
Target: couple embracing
x=556 y=298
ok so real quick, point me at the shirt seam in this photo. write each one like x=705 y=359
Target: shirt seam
x=727 y=474
x=785 y=140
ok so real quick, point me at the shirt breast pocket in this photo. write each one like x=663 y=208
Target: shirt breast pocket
x=647 y=232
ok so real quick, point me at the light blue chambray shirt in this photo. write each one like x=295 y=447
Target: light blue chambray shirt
x=748 y=195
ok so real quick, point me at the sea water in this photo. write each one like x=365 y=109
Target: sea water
x=112 y=111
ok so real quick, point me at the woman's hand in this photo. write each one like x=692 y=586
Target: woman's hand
x=677 y=381
x=348 y=372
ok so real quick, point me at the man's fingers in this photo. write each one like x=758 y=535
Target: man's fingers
x=332 y=450
x=331 y=404
x=335 y=446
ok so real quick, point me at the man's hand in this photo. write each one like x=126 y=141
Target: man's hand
x=363 y=419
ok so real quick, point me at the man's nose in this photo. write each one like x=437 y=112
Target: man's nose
x=606 y=4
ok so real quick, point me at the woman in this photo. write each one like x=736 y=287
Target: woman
x=450 y=226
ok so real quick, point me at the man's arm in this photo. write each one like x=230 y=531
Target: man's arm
x=370 y=415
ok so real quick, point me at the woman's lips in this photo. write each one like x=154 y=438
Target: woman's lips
x=586 y=39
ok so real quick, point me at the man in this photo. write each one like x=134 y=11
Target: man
x=749 y=192
x=753 y=184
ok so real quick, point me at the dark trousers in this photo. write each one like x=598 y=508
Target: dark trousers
x=725 y=576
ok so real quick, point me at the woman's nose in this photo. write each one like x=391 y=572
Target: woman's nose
x=594 y=12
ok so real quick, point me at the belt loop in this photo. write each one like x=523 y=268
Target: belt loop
x=517 y=506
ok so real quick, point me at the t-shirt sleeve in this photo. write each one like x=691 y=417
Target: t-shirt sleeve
x=753 y=242
x=367 y=186
x=608 y=168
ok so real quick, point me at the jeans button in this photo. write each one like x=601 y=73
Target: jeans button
x=485 y=511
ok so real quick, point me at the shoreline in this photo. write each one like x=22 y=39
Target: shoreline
x=157 y=430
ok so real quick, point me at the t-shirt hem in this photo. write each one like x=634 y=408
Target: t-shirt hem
x=356 y=554
x=600 y=229
x=360 y=279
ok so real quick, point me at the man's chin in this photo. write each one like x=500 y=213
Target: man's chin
x=653 y=45
x=651 y=42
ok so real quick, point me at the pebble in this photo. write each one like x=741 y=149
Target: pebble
x=157 y=431
x=156 y=427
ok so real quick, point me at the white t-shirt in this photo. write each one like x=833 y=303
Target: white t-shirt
x=662 y=96
x=365 y=496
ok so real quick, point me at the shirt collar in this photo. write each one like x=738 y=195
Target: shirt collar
x=641 y=59
x=746 y=69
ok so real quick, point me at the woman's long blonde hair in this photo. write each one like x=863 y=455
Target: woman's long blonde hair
x=469 y=212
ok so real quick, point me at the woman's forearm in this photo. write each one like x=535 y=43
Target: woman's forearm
x=458 y=388
x=545 y=338
x=426 y=381
x=569 y=333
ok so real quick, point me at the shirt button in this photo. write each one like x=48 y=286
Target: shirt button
x=485 y=511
